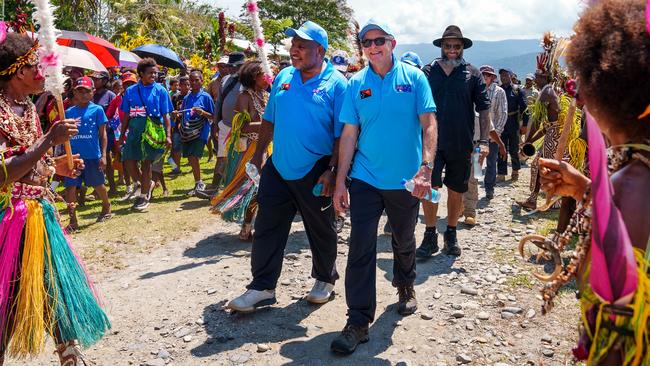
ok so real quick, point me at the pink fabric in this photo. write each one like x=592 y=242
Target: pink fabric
x=613 y=275
x=11 y=230
x=647 y=16
x=3 y=31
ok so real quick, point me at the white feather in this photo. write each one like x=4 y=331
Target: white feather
x=259 y=34
x=44 y=17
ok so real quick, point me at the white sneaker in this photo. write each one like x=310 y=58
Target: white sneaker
x=320 y=293
x=251 y=300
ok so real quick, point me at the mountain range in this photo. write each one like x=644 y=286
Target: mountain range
x=515 y=54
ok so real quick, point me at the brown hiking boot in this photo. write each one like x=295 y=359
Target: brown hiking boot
x=407 y=304
x=515 y=175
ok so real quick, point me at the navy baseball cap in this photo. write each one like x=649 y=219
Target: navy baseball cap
x=506 y=70
x=311 y=32
x=375 y=24
x=411 y=58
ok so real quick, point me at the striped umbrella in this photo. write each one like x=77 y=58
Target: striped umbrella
x=106 y=52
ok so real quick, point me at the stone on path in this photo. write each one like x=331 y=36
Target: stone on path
x=463 y=358
x=483 y=315
x=548 y=352
x=468 y=290
x=155 y=362
x=261 y=347
x=426 y=316
x=240 y=357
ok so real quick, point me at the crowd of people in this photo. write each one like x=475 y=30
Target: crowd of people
x=329 y=138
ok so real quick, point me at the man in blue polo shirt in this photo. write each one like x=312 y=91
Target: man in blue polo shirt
x=302 y=119
x=389 y=116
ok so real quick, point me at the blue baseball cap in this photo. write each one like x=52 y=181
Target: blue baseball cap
x=311 y=32
x=375 y=24
x=411 y=58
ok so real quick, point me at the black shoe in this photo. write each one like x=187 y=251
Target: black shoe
x=349 y=339
x=204 y=194
x=407 y=303
x=141 y=203
x=451 y=244
x=489 y=195
x=387 y=228
x=429 y=245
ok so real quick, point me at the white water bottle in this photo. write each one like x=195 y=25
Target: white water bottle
x=434 y=196
x=478 y=169
x=253 y=174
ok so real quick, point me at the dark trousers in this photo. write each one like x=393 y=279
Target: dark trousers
x=366 y=205
x=510 y=137
x=278 y=200
x=491 y=167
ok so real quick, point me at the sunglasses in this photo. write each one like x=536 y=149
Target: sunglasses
x=456 y=46
x=379 y=41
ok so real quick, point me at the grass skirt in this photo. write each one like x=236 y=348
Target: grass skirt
x=44 y=287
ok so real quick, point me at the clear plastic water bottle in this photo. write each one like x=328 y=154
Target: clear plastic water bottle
x=253 y=174
x=434 y=196
x=317 y=190
x=478 y=169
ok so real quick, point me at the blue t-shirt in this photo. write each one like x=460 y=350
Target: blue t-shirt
x=305 y=118
x=86 y=142
x=157 y=101
x=202 y=100
x=387 y=112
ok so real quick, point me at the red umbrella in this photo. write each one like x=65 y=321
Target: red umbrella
x=105 y=51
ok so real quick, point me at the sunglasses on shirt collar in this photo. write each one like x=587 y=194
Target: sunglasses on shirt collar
x=379 y=41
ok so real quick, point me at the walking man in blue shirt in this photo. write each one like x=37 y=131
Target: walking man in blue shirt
x=389 y=116
x=302 y=119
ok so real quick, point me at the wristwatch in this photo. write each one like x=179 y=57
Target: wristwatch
x=428 y=164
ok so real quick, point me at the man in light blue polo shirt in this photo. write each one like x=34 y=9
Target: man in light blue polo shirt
x=389 y=115
x=302 y=119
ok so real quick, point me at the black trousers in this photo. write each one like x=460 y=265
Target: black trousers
x=366 y=206
x=510 y=138
x=278 y=201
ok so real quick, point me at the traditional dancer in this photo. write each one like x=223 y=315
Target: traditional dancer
x=237 y=202
x=613 y=219
x=43 y=284
x=549 y=113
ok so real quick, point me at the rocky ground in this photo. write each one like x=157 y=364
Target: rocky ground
x=480 y=309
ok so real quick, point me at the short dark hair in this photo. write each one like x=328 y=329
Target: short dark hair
x=183 y=79
x=610 y=56
x=249 y=71
x=145 y=64
x=196 y=71
x=173 y=81
x=14 y=46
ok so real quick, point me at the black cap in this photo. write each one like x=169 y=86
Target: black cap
x=236 y=59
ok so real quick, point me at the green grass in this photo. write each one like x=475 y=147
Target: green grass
x=167 y=219
x=519 y=280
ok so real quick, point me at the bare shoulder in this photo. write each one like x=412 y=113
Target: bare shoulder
x=630 y=196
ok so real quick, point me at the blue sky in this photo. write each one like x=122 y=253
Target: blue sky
x=419 y=21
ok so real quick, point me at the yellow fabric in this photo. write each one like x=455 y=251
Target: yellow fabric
x=636 y=349
x=34 y=310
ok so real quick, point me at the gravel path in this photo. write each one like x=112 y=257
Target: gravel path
x=480 y=309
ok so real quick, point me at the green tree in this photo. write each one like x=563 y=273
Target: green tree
x=332 y=15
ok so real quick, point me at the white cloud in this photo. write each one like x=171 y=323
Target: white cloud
x=419 y=21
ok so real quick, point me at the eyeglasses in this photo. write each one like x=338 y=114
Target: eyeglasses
x=456 y=46
x=379 y=41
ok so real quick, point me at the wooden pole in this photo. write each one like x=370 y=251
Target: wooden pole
x=68 y=148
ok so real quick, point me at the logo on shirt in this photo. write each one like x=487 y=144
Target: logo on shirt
x=366 y=93
x=404 y=88
x=318 y=91
x=285 y=86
